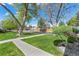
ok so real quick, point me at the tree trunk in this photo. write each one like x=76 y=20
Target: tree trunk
x=20 y=31
x=20 y=26
x=58 y=13
x=10 y=13
x=57 y=24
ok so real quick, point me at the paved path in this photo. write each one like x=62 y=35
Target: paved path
x=30 y=50
x=26 y=48
x=5 y=41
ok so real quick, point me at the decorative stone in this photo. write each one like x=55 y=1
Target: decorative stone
x=72 y=49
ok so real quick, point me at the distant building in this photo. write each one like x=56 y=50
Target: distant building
x=37 y=29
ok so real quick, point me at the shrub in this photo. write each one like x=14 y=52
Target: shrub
x=76 y=29
x=59 y=42
x=62 y=29
x=71 y=39
x=9 y=24
x=2 y=30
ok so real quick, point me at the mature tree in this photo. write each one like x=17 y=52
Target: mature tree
x=58 y=11
x=42 y=24
x=25 y=11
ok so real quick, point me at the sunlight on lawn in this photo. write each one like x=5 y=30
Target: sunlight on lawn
x=9 y=49
x=11 y=35
x=46 y=43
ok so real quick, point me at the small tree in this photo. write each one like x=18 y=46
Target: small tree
x=9 y=24
x=42 y=25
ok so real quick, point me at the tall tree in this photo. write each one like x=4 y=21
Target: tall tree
x=26 y=11
x=42 y=24
x=58 y=11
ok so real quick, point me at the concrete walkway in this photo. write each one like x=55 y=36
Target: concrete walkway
x=30 y=50
x=10 y=40
x=26 y=48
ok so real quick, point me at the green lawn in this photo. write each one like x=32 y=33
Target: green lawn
x=7 y=35
x=9 y=49
x=46 y=43
x=10 y=35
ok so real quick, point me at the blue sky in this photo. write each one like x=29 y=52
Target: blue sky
x=3 y=13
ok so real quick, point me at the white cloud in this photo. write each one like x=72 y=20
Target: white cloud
x=6 y=14
x=10 y=3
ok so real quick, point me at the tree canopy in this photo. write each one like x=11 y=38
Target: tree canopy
x=72 y=21
x=9 y=24
x=25 y=11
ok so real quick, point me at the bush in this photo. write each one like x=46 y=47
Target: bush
x=62 y=29
x=76 y=29
x=71 y=40
x=9 y=24
x=2 y=31
x=59 y=42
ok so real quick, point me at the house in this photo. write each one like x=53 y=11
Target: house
x=37 y=29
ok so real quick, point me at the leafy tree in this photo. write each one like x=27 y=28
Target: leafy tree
x=42 y=25
x=25 y=12
x=9 y=24
x=72 y=21
x=58 y=11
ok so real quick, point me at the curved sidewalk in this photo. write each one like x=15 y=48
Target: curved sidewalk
x=10 y=40
x=30 y=50
x=26 y=48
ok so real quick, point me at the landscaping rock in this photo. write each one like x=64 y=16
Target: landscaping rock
x=62 y=48
x=72 y=49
